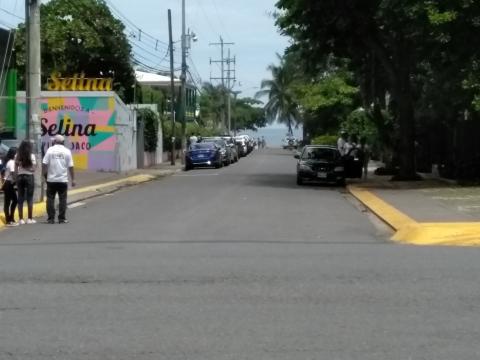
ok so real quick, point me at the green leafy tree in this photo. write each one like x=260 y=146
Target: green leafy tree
x=81 y=36
x=280 y=106
x=397 y=35
x=211 y=105
x=151 y=122
x=325 y=101
x=247 y=114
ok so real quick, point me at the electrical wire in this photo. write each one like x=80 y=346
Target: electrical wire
x=222 y=24
x=7 y=47
x=120 y=14
x=137 y=51
x=209 y=22
x=12 y=14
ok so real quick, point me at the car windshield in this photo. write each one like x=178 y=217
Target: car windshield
x=202 y=146
x=319 y=154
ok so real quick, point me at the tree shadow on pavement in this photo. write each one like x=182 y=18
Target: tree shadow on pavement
x=287 y=181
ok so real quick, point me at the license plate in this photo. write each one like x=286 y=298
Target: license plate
x=322 y=175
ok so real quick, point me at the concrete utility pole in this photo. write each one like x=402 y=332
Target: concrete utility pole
x=230 y=87
x=183 y=78
x=172 y=86
x=222 y=77
x=33 y=81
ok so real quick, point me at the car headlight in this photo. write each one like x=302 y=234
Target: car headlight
x=305 y=167
x=339 y=169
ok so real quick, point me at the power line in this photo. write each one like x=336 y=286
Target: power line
x=137 y=51
x=216 y=33
x=220 y=18
x=141 y=32
x=12 y=14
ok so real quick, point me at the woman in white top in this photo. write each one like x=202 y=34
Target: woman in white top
x=25 y=165
x=9 y=193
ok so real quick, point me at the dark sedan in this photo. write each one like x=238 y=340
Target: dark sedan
x=320 y=163
x=204 y=154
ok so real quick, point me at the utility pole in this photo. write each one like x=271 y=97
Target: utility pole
x=172 y=85
x=229 y=90
x=183 y=79
x=33 y=80
x=222 y=77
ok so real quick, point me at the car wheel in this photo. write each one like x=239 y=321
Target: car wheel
x=188 y=167
x=299 y=180
x=341 y=183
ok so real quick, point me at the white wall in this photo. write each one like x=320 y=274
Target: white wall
x=126 y=136
x=157 y=157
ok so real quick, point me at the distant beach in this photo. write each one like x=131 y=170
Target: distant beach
x=273 y=136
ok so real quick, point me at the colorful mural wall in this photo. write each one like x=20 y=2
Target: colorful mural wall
x=88 y=124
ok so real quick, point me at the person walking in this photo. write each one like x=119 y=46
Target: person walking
x=366 y=153
x=9 y=193
x=57 y=164
x=341 y=143
x=25 y=165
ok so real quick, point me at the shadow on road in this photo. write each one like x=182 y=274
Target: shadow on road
x=287 y=181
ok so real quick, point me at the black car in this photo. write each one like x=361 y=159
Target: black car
x=320 y=163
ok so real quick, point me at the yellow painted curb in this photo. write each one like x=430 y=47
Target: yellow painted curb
x=392 y=216
x=408 y=231
x=39 y=209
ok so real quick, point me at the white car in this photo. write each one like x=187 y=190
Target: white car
x=289 y=142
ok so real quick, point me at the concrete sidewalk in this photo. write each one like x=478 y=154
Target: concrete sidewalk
x=428 y=212
x=91 y=184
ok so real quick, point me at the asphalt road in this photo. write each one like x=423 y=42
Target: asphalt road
x=235 y=263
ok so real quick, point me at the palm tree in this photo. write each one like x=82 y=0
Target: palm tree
x=211 y=104
x=281 y=105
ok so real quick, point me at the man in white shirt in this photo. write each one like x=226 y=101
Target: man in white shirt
x=57 y=163
x=342 y=143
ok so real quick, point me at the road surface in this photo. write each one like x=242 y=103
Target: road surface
x=235 y=263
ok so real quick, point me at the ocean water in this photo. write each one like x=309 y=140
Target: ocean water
x=273 y=135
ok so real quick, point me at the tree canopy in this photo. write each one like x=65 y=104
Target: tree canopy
x=418 y=51
x=74 y=42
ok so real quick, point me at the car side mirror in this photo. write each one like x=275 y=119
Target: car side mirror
x=296 y=156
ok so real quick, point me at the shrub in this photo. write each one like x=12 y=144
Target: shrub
x=150 y=134
x=325 y=140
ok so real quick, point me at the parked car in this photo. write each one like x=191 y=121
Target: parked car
x=249 y=141
x=230 y=140
x=241 y=146
x=289 y=142
x=204 y=154
x=320 y=163
x=4 y=147
x=225 y=150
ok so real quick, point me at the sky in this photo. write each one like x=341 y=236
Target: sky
x=247 y=23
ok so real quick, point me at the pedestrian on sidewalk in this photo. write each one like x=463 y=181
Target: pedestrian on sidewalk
x=341 y=143
x=25 y=165
x=365 y=153
x=8 y=187
x=57 y=164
